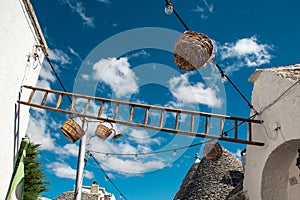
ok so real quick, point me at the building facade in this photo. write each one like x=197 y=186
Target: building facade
x=270 y=171
x=23 y=48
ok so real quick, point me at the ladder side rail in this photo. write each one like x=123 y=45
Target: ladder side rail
x=147 y=106
x=144 y=126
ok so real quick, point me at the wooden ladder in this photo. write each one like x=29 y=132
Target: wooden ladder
x=206 y=119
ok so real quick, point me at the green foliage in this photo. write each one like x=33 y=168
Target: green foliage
x=34 y=183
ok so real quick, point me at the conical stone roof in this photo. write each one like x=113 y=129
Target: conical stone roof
x=211 y=180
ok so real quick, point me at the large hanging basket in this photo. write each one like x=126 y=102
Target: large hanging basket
x=72 y=130
x=103 y=132
x=192 y=50
x=213 y=151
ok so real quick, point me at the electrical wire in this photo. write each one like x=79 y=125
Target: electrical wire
x=106 y=176
x=224 y=75
x=225 y=133
x=57 y=77
x=151 y=153
x=279 y=97
x=168 y=2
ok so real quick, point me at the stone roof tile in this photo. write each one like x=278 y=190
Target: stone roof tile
x=211 y=180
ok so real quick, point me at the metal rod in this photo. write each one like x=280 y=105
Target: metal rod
x=80 y=165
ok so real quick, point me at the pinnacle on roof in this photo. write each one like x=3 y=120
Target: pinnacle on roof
x=211 y=180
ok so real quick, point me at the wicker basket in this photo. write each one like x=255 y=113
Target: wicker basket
x=213 y=151
x=103 y=132
x=192 y=50
x=72 y=130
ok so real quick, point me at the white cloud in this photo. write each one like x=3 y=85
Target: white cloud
x=59 y=56
x=139 y=53
x=72 y=51
x=64 y=170
x=132 y=167
x=186 y=92
x=210 y=7
x=104 y=1
x=117 y=74
x=247 y=51
x=39 y=131
x=78 y=8
x=143 y=137
x=198 y=9
x=85 y=76
x=38 y=97
x=68 y=150
x=47 y=74
x=127 y=164
x=238 y=154
x=204 y=9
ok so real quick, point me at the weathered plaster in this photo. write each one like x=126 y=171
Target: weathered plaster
x=267 y=167
x=18 y=41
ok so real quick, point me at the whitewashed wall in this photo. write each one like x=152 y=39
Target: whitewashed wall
x=269 y=168
x=17 y=43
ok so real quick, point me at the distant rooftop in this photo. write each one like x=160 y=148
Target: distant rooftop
x=291 y=72
x=93 y=192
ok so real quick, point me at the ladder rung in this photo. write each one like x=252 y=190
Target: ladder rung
x=192 y=123
x=44 y=98
x=58 y=101
x=116 y=111
x=177 y=120
x=131 y=113
x=249 y=131
x=161 y=121
x=235 y=129
x=206 y=125
x=72 y=104
x=146 y=116
x=101 y=109
x=31 y=96
x=221 y=127
x=87 y=106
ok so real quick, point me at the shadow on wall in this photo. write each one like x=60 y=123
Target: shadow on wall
x=279 y=169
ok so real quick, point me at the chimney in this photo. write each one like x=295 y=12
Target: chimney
x=94 y=188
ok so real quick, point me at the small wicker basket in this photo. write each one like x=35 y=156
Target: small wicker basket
x=103 y=132
x=72 y=130
x=192 y=50
x=213 y=151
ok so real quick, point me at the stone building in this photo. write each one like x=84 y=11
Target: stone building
x=208 y=179
x=271 y=172
x=93 y=192
x=23 y=48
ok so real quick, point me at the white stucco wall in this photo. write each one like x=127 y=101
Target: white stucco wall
x=17 y=42
x=268 y=168
x=294 y=188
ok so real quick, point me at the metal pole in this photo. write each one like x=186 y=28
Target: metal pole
x=80 y=165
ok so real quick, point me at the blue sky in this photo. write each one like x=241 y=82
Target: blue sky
x=123 y=50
